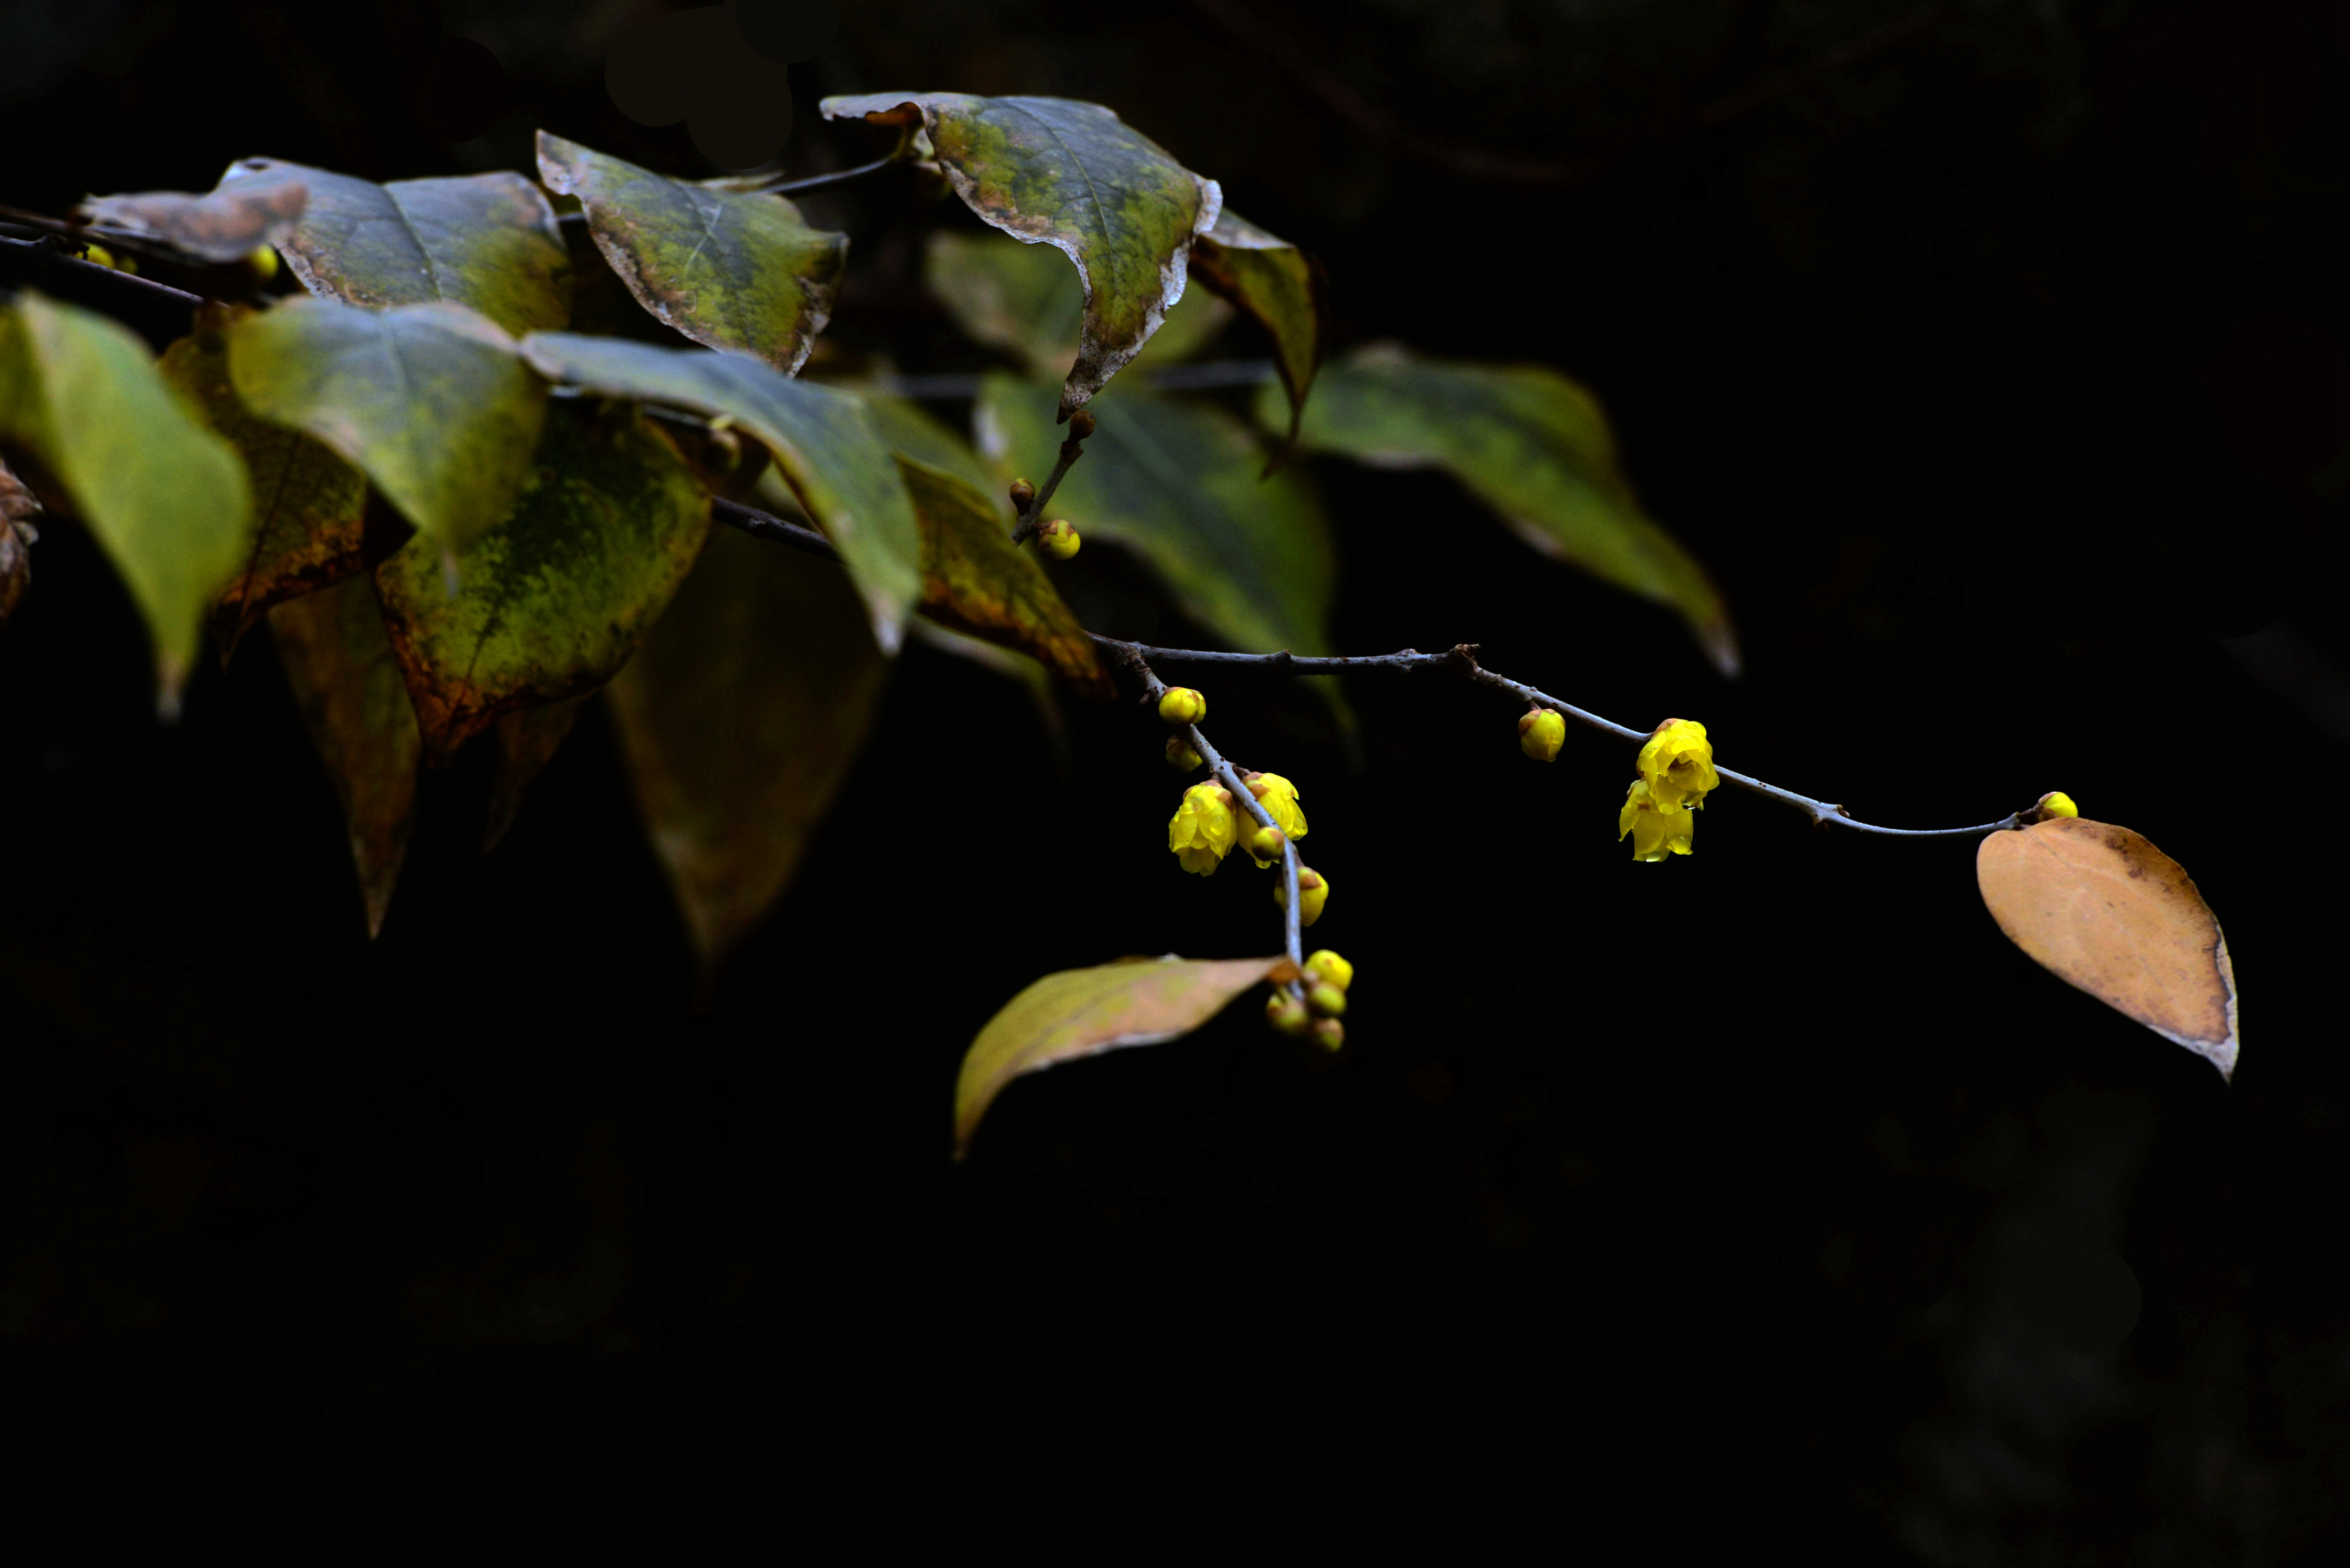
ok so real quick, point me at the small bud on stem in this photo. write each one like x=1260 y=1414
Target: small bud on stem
x=1181 y=756
x=1182 y=705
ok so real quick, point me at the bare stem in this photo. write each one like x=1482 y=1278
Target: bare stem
x=823 y=181
x=1071 y=450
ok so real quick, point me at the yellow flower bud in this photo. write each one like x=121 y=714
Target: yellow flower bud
x=1181 y=705
x=1264 y=846
x=1327 y=1000
x=1327 y=966
x=1022 y=493
x=91 y=252
x=262 y=262
x=1329 y=1034
x=1677 y=764
x=1287 y=1014
x=1201 y=833
x=1312 y=892
x=1541 y=733
x=1057 y=539
x=1656 y=829
x=2056 y=803
x=1181 y=756
x=1279 y=798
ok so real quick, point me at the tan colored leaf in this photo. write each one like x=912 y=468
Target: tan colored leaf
x=1279 y=285
x=218 y=226
x=339 y=663
x=17 y=509
x=1085 y=1011
x=528 y=741
x=2101 y=908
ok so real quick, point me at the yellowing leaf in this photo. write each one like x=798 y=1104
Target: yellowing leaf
x=730 y=269
x=2102 y=909
x=429 y=400
x=486 y=240
x=1530 y=443
x=166 y=498
x=339 y=663
x=1053 y=171
x=1025 y=300
x=550 y=603
x=1085 y=1011
x=220 y=226
x=739 y=720
x=973 y=580
x=823 y=440
x=1281 y=286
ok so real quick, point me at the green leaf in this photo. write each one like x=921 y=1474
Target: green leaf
x=222 y=226
x=1177 y=481
x=487 y=241
x=1053 y=171
x=166 y=498
x=727 y=268
x=974 y=581
x=1532 y=444
x=739 y=722
x=910 y=431
x=339 y=663
x=1085 y=1011
x=311 y=528
x=551 y=602
x=429 y=400
x=824 y=442
x=1281 y=286
x=1025 y=300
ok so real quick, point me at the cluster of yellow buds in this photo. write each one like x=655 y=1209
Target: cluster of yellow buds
x=1676 y=775
x=1316 y=1011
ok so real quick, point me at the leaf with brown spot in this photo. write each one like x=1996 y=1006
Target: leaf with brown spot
x=310 y=523
x=221 y=225
x=728 y=268
x=1085 y=1011
x=738 y=721
x=1058 y=171
x=1279 y=285
x=2103 y=910
x=528 y=741
x=338 y=662
x=552 y=601
x=975 y=581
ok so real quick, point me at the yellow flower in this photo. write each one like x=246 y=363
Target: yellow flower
x=2057 y=804
x=1656 y=829
x=1279 y=798
x=1677 y=764
x=1201 y=833
x=1541 y=733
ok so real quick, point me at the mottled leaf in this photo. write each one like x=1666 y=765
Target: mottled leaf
x=2102 y=909
x=1085 y=1011
x=310 y=528
x=824 y=442
x=339 y=663
x=728 y=268
x=1053 y=171
x=527 y=741
x=486 y=240
x=973 y=580
x=1025 y=300
x=551 y=602
x=17 y=509
x=1281 y=286
x=220 y=226
x=1532 y=444
x=430 y=401
x=166 y=498
x=739 y=722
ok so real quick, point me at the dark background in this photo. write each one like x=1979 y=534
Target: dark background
x=1987 y=353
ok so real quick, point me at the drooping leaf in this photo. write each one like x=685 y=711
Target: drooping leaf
x=910 y=431
x=1024 y=300
x=18 y=507
x=431 y=402
x=1085 y=1011
x=552 y=601
x=1281 y=286
x=1177 y=481
x=823 y=440
x=165 y=497
x=527 y=741
x=2103 y=909
x=486 y=241
x=220 y=226
x=738 y=721
x=973 y=580
x=338 y=662
x=310 y=527
x=1053 y=171
x=1527 y=442
x=728 y=268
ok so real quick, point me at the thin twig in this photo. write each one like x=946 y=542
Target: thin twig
x=33 y=256
x=1072 y=449
x=820 y=181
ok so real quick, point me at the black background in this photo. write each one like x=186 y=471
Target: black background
x=1986 y=353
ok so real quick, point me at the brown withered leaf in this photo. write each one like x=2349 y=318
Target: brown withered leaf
x=2103 y=909
x=310 y=512
x=17 y=509
x=218 y=226
x=973 y=580
x=1085 y=1011
x=338 y=660
x=1279 y=285
x=528 y=741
